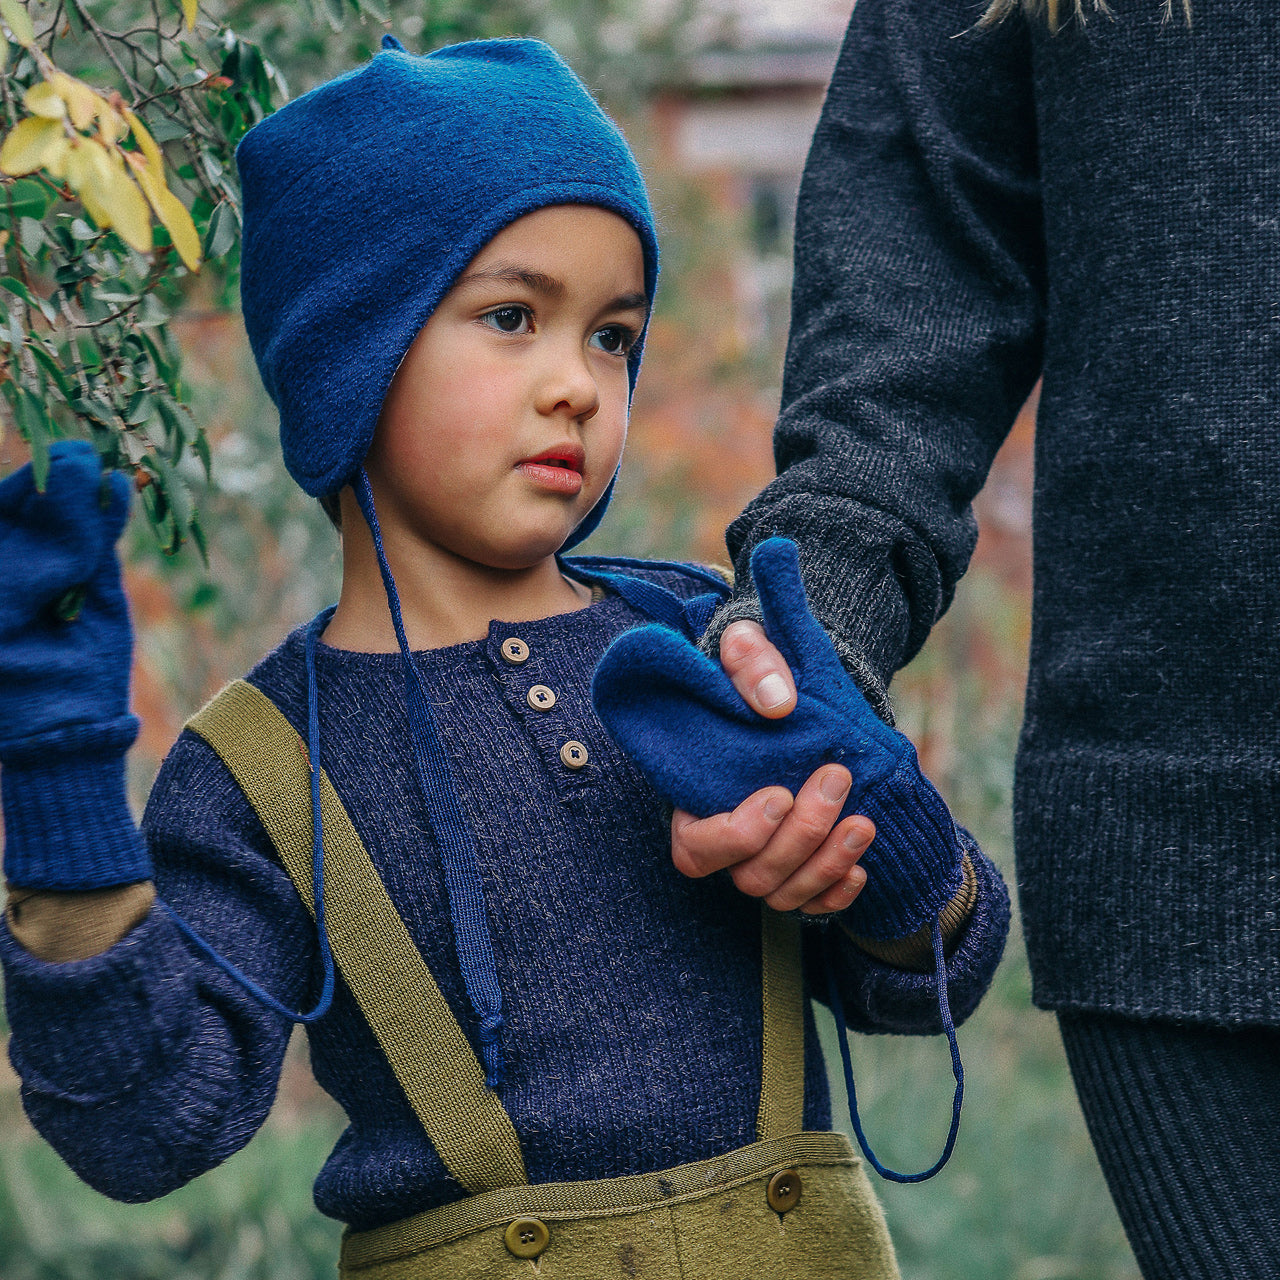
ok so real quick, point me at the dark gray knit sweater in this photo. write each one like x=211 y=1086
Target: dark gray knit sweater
x=1103 y=206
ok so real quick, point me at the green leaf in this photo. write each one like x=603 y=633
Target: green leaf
x=205 y=593
x=222 y=232
x=166 y=130
x=163 y=363
x=17 y=288
x=52 y=367
x=333 y=11
x=36 y=430
x=33 y=235
x=27 y=198
x=211 y=164
x=176 y=493
x=201 y=445
x=150 y=312
x=202 y=543
x=139 y=409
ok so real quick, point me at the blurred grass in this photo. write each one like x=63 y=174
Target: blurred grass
x=249 y=1219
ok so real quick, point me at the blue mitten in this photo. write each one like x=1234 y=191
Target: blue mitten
x=677 y=715
x=65 y=649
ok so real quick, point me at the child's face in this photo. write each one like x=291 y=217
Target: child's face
x=506 y=420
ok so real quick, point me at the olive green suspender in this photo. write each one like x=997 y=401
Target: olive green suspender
x=427 y=1049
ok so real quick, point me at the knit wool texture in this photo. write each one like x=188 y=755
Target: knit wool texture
x=1100 y=205
x=677 y=715
x=1185 y=1123
x=367 y=197
x=633 y=1035
x=64 y=680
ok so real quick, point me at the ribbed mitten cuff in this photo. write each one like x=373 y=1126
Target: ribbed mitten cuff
x=66 y=818
x=914 y=865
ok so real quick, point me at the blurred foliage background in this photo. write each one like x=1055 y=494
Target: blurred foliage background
x=1022 y=1199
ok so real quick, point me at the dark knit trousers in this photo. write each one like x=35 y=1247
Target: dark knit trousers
x=1186 y=1124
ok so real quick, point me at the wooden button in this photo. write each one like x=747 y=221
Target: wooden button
x=573 y=755
x=526 y=1237
x=514 y=650
x=783 y=1192
x=540 y=698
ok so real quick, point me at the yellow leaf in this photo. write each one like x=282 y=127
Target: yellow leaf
x=55 y=160
x=189 y=8
x=129 y=212
x=44 y=100
x=169 y=209
x=145 y=141
x=182 y=231
x=18 y=21
x=82 y=102
x=89 y=176
x=29 y=145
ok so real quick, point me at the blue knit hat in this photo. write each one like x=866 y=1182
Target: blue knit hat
x=365 y=199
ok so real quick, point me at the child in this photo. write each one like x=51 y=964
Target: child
x=549 y=1043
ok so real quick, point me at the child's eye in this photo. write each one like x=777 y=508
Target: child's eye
x=616 y=339
x=509 y=319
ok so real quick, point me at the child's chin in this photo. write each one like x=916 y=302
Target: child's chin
x=526 y=552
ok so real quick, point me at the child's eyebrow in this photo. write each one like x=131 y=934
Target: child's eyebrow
x=548 y=286
x=538 y=281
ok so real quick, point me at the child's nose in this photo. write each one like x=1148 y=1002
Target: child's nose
x=570 y=387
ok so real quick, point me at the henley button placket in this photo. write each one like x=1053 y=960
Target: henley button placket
x=540 y=698
x=514 y=651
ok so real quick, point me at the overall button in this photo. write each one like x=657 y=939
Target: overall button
x=526 y=1237
x=573 y=755
x=514 y=650
x=783 y=1192
x=540 y=698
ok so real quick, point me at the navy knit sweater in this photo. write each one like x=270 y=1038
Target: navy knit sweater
x=632 y=994
x=1102 y=206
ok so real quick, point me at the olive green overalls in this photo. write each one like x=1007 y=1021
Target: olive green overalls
x=791 y=1205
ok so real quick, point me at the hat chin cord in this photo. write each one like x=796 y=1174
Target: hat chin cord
x=473 y=939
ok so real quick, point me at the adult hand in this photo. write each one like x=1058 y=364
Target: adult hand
x=680 y=717
x=795 y=854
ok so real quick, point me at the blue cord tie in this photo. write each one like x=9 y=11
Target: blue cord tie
x=317 y=867
x=472 y=938
x=957 y=1068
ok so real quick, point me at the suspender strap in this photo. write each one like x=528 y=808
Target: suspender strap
x=782 y=1075
x=427 y=1049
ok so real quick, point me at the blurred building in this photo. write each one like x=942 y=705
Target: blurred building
x=739 y=120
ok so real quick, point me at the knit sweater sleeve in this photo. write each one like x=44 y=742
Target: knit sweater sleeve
x=145 y=1065
x=881 y=997
x=916 y=325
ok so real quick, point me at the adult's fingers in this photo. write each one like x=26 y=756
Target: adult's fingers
x=758 y=671
x=829 y=879
x=800 y=834
x=700 y=846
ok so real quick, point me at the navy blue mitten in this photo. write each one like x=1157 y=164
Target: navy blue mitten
x=65 y=650
x=675 y=712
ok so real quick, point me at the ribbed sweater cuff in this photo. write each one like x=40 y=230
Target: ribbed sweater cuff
x=66 y=817
x=914 y=865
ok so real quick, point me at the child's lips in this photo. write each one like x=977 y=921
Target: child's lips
x=556 y=470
